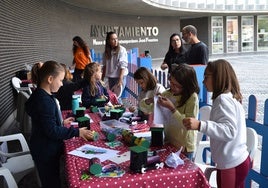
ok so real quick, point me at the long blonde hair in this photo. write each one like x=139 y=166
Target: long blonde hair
x=89 y=72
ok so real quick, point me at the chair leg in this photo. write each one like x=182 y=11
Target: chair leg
x=208 y=172
x=37 y=177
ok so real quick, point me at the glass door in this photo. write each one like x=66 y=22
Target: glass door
x=232 y=34
x=217 y=34
x=247 y=38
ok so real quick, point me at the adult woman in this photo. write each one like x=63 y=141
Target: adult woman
x=81 y=58
x=175 y=54
x=226 y=127
x=115 y=62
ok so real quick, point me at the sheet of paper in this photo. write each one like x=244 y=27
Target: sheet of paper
x=91 y=120
x=89 y=151
x=161 y=114
x=146 y=134
x=121 y=158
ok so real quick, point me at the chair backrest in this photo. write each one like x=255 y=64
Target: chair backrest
x=252 y=142
x=16 y=136
x=16 y=83
x=204 y=113
x=11 y=183
x=22 y=117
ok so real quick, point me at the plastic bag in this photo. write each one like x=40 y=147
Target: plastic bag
x=173 y=160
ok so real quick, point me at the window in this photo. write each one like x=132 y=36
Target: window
x=262 y=33
x=217 y=34
x=247 y=31
x=232 y=33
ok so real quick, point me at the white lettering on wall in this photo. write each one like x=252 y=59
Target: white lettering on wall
x=132 y=34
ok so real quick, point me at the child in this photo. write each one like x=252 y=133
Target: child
x=46 y=142
x=227 y=126
x=182 y=101
x=34 y=72
x=95 y=90
x=149 y=88
x=65 y=93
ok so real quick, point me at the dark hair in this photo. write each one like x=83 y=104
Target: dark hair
x=224 y=79
x=82 y=44
x=149 y=79
x=89 y=71
x=190 y=29
x=186 y=76
x=34 y=72
x=49 y=68
x=108 y=48
x=170 y=48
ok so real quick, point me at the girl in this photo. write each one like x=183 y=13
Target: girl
x=227 y=126
x=182 y=101
x=34 y=72
x=149 y=88
x=115 y=62
x=66 y=91
x=46 y=142
x=81 y=55
x=95 y=90
x=175 y=54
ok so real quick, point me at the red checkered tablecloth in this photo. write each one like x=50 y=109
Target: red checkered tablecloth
x=187 y=175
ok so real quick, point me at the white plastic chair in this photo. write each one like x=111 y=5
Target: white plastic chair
x=19 y=163
x=16 y=84
x=22 y=117
x=252 y=144
x=9 y=179
x=204 y=114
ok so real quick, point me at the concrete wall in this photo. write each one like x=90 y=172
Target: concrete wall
x=41 y=30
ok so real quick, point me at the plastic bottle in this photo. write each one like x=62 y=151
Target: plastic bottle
x=75 y=104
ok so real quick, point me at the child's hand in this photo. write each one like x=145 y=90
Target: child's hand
x=149 y=101
x=132 y=109
x=68 y=120
x=191 y=123
x=85 y=133
x=103 y=97
x=165 y=102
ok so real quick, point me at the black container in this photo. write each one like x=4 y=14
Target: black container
x=83 y=122
x=157 y=137
x=138 y=158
